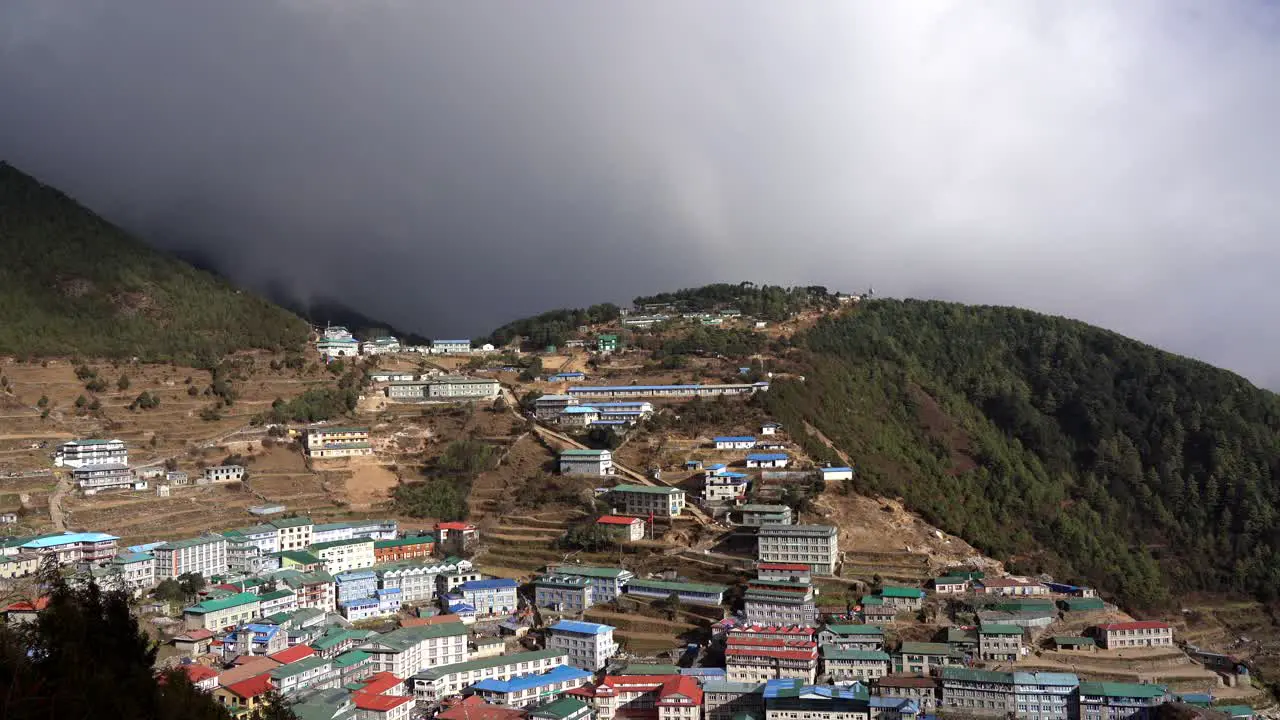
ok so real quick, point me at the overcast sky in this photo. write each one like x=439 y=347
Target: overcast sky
x=450 y=165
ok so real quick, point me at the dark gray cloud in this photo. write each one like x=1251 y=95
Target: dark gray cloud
x=451 y=165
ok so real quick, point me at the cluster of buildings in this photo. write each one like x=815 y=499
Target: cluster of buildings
x=337 y=342
x=100 y=465
x=443 y=388
x=569 y=412
x=664 y=391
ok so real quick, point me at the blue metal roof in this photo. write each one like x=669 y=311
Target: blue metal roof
x=730 y=475
x=1046 y=678
x=704 y=672
x=837 y=469
x=353 y=575
x=492 y=584
x=579 y=410
x=557 y=674
x=69 y=538
x=586 y=628
x=360 y=602
x=609 y=422
x=735 y=438
x=767 y=456
x=450 y=342
x=617 y=388
x=569 y=374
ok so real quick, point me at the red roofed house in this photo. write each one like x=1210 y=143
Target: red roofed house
x=644 y=697
x=24 y=612
x=246 y=694
x=382 y=707
x=473 y=707
x=623 y=527
x=790 y=572
x=202 y=676
x=384 y=683
x=754 y=654
x=454 y=537
x=193 y=642
x=1134 y=634
x=433 y=620
x=293 y=654
x=1011 y=586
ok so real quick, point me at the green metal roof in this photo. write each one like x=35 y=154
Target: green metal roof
x=835 y=652
x=1122 y=690
x=871 y=600
x=999 y=630
x=856 y=629
x=191 y=542
x=404 y=638
x=1078 y=604
x=901 y=592
x=401 y=542
x=276 y=595
x=574 y=452
x=559 y=709
x=299 y=667
x=588 y=571
x=926 y=648
x=435 y=673
x=226 y=603
x=647 y=490
x=340 y=543
x=291 y=522
x=678 y=586
x=971 y=675
x=1074 y=641
x=302 y=557
x=332 y=639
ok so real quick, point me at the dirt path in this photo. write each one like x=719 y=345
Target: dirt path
x=827 y=441
x=55 y=502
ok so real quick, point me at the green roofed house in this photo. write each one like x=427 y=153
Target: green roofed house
x=951 y=585
x=563 y=708
x=903 y=598
x=1000 y=643
x=861 y=665
x=649 y=669
x=606 y=582
x=852 y=637
x=222 y=613
x=639 y=500
x=352 y=665
x=595 y=463
x=692 y=593
x=1237 y=712
x=1063 y=643
x=963 y=639
x=444 y=681
x=875 y=611
x=1120 y=701
x=1083 y=604
x=921 y=657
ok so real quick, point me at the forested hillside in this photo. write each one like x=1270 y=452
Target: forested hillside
x=1066 y=447
x=768 y=302
x=72 y=283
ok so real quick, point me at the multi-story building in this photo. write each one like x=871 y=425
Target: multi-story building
x=549 y=407
x=314 y=590
x=137 y=570
x=999 y=643
x=337 y=442
x=405 y=548
x=749 y=657
x=444 y=387
x=417 y=580
x=757 y=515
x=371 y=529
x=387 y=602
x=1120 y=701
x=724 y=487
x=222 y=613
x=83 y=453
x=92 y=479
x=852 y=637
x=922 y=657
x=563 y=593
x=1147 y=633
x=621 y=527
x=449 y=582
x=71 y=548
x=264 y=537
x=244 y=557
x=596 y=463
x=789 y=698
x=1027 y=696
x=445 y=681
x=339 y=556
x=920 y=689
x=817 y=546
x=254 y=639
x=526 y=691
x=618 y=697
x=223 y=473
x=1046 y=696
x=568 y=708
x=606 y=583
x=20 y=565
x=409 y=650
x=293 y=533
x=666 y=502
x=310 y=673
x=578 y=416
x=445 y=347
x=380 y=345
x=277 y=601
x=355 y=584
x=205 y=555
x=692 y=593
x=496 y=596
x=723 y=700
x=589 y=645
x=454 y=537
x=778 y=602
x=842 y=665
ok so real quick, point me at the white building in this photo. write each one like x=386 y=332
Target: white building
x=438 y=683
x=337 y=442
x=292 y=533
x=380 y=346
x=417 y=581
x=768 y=460
x=597 y=463
x=1144 y=633
x=340 y=556
x=662 y=501
x=770 y=428
x=606 y=583
x=625 y=529
x=93 y=479
x=578 y=416
x=206 y=555
x=722 y=487
x=80 y=453
x=408 y=651
x=564 y=593
x=445 y=347
x=817 y=546
x=137 y=570
x=371 y=529
x=831 y=474
x=548 y=407
x=589 y=645
x=735 y=442
x=494 y=596
x=223 y=473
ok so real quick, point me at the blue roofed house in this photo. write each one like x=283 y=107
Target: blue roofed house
x=735 y=442
x=355 y=584
x=589 y=645
x=768 y=460
x=255 y=639
x=786 y=698
x=525 y=691
x=833 y=474
x=495 y=596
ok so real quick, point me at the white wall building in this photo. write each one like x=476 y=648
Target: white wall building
x=817 y=546
x=79 y=453
x=223 y=473
x=589 y=645
x=408 y=651
x=206 y=555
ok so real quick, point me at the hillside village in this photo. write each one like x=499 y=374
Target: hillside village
x=616 y=535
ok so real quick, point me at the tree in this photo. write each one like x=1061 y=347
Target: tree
x=191 y=584
x=123 y=383
x=673 y=605
x=169 y=590
x=81 y=402
x=43 y=402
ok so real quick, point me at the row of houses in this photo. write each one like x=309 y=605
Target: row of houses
x=336 y=342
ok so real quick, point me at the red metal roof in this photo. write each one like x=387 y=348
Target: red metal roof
x=1005 y=582
x=454 y=526
x=685 y=685
x=253 y=687
x=617 y=520
x=907 y=681
x=784 y=566
x=195 y=635
x=1140 y=625
x=770 y=643
x=474 y=708
x=433 y=620
x=750 y=630
x=24 y=606
x=381 y=682
x=380 y=703
x=199 y=672
x=773 y=653
x=293 y=654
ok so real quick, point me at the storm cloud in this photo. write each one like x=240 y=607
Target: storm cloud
x=450 y=165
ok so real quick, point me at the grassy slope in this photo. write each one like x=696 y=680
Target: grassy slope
x=73 y=283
